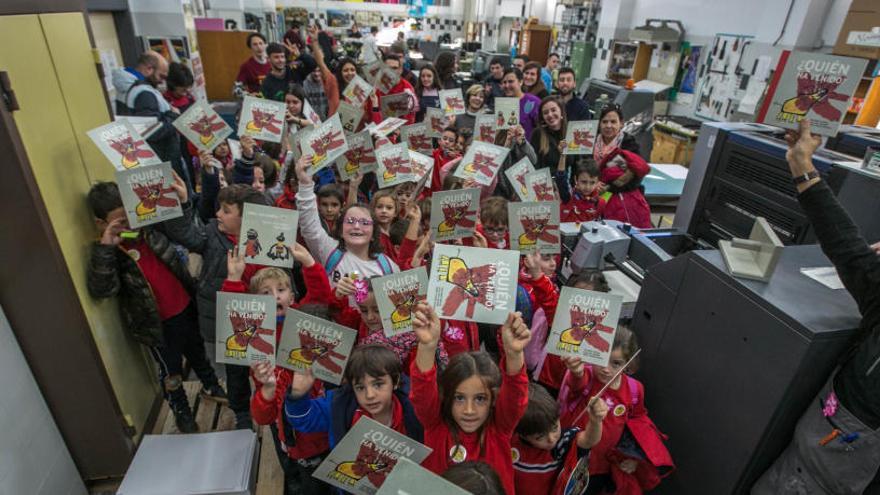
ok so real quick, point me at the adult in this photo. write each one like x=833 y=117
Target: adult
x=446 y=64
x=282 y=74
x=493 y=81
x=293 y=37
x=520 y=62
x=548 y=140
x=474 y=104
x=138 y=88
x=369 y=50
x=532 y=82
x=849 y=403
x=511 y=83
x=346 y=69
x=254 y=69
x=321 y=86
x=427 y=90
x=327 y=43
x=354 y=31
x=399 y=45
x=611 y=134
x=575 y=108
x=403 y=86
x=548 y=70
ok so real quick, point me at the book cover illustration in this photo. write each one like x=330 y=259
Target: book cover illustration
x=421 y=166
x=365 y=456
x=393 y=165
x=357 y=92
x=814 y=86
x=310 y=114
x=359 y=158
x=484 y=128
x=268 y=235
x=585 y=324
x=516 y=174
x=506 y=112
x=386 y=79
x=325 y=144
x=350 y=116
x=123 y=146
x=147 y=194
x=437 y=121
x=454 y=213
x=309 y=342
x=397 y=295
x=481 y=162
x=473 y=284
x=534 y=226
x=297 y=137
x=202 y=126
x=409 y=478
x=416 y=136
x=245 y=328
x=371 y=71
x=262 y=119
x=581 y=136
x=384 y=128
x=452 y=101
x=540 y=186
x=396 y=105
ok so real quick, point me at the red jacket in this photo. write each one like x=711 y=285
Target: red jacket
x=400 y=87
x=510 y=404
x=626 y=204
x=581 y=209
x=265 y=412
x=440 y=159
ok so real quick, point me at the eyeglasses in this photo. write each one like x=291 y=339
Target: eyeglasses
x=365 y=222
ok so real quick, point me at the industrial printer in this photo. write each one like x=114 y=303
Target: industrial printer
x=729 y=363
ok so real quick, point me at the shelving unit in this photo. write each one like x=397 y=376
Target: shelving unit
x=576 y=41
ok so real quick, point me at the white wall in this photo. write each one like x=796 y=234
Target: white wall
x=33 y=457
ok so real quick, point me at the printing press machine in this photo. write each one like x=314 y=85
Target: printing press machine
x=729 y=364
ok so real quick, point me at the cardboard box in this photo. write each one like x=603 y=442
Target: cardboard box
x=863 y=16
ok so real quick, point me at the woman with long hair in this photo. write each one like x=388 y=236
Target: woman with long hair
x=427 y=90
x=532 y=82
x=446 y=64
x=549 y=137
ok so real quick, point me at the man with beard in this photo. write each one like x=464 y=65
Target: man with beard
x=575 y=108
x=281 y=73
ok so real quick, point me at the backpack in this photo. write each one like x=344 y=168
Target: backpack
x=336 y=256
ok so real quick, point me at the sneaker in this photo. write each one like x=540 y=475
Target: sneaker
x=183 y=416
x=215 y=393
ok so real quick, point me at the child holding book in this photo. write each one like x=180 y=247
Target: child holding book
x=494 y=224
x=447 y=152
x=472 y=413
x=544 y=453
x=299 y=453
x=385 y=209
x=330 y=201
x=155 y=296
x=583 y=203
x=631 y=456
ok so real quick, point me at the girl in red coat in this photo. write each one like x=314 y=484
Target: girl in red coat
x=473 y=411
x=630 y=458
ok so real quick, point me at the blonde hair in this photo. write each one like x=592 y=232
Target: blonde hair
x=494 y=210
x=264 y=275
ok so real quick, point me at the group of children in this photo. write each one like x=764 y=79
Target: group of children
x=500 y=415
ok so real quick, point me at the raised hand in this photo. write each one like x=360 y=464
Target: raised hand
x=532 y=261
x=515 y=334
x=301 y=383
x=480 y=240
x=247 y=147
x=598 y=410
x=302 y=167
x=345 y=287
x=234 y=265
x=801 y=146
x=265 y=374
x=301 y=254
x=111 y=237
x=574 y=364
x=179 y=187
x=426 y=325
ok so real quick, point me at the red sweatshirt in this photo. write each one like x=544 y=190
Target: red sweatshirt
x=402 y=86
x=440 y=159
x=496 y=432
x=251 y=74
x=581 y=209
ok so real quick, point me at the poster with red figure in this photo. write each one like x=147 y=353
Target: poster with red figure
x=584 y=326
x=534 y=226
x=325 y=144
x=262 y=119
x=308 y=342
x=147 y=194
x=123 y=146
x=245 y=328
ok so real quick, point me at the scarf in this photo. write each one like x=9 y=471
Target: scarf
x=602 y=150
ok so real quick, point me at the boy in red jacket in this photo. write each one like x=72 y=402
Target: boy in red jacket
x=583 y=203
x=299 y=453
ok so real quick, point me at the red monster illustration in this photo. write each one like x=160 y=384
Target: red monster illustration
x=454 y=103
x=398 y=107
x=487 y=133
x=456 y=216
x=420 y=142
x=206 y=126
x=582 y=139
x=482 y=164
x=395 y=165
x=471 y=284
x=813 y=94
x=313 y=351
x=438 y=124
x=152 y=196
x=586 y=325
x=263 y=121
x=371 y=463
x=544 y=191
x=386 y=82
x=324 y=144
x=131 y=151
x=403 y=302
x=246 y=332
x=521 y=179
x=252 y=246
x=535 y=229
x=359 y=97
x=355 y=158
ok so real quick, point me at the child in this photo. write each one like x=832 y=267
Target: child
x=447 y=152
x=213 y=241
x=623 y=172
x=402 y=192
x=330 y=201
x=384 y=207
x=584 y=203
x=288 y=195
x=474 y=477
x=494 y=222
x=155 y=292
x=631 y=455
x=371 y=388
x=542 y=450
x=536 y=278
x=359 y=250
x=299 y=453
x=474 y=410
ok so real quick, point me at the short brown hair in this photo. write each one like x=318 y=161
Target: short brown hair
x=239 y=194
x=541 y=414
x=373 y=360
x=263 y=275
x=494 y=210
